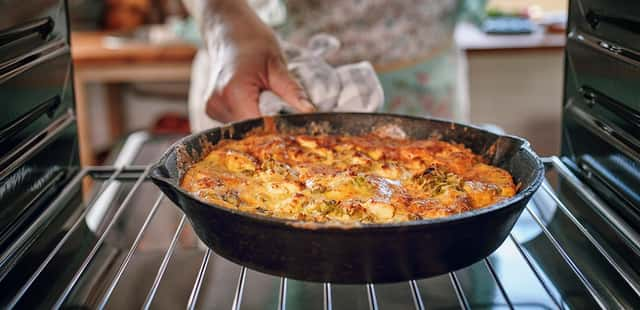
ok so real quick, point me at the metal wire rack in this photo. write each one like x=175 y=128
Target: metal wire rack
x=139 y=174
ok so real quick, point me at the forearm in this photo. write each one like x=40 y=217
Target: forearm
x=201 y=8
x=226 y=20
x=244 y=59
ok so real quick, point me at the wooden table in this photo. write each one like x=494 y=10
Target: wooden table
x=95 y=60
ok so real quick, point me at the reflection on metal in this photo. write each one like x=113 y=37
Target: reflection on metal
x=326 y=291
x=462 y=299
x=415 y=294
x=371 y=296
x=93 y=252
x=31 y=146
x=535 y=270
x=492 y=271
x=64 y=239
x=237 y=298
x=465 y=300
x=621 y=53
x=14 y=66
x=618 y=264
x=616 y=221
x=164 y=264
x=42 y=221
x=133 y=248
x=195 y=292
x=610 y=132
x=587 y=284
x=282 y=296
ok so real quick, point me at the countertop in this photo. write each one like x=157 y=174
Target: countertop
x=94 y=48
x=470 y=38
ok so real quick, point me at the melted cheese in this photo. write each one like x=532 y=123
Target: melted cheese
x=367 y=179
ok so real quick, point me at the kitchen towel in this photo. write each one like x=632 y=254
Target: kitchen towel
x=351 y=87
x=345 y=88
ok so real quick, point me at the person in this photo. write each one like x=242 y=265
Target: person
x=409 y=42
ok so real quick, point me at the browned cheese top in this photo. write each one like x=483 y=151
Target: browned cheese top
x=346 y=179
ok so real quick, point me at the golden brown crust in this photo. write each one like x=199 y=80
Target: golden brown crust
x=348 y=179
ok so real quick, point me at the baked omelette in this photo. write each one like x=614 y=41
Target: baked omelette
x=346 y=179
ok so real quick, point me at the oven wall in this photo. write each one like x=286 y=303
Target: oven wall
x=601 y=111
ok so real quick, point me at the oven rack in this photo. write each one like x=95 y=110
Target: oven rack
x=139 y=174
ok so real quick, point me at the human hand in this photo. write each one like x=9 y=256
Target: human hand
x=246 y=60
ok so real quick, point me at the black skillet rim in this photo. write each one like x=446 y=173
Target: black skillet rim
x=316 y=226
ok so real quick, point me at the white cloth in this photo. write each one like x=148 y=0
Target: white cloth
x=271 y=12
x=348 y=88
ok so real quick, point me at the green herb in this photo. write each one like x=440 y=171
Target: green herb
x=231 y=197
x=437 y=181
x=270 y=164
x=318 y=189
x=360 y=181
x=327 y=206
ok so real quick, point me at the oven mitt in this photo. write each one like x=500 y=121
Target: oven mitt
x=347 y=88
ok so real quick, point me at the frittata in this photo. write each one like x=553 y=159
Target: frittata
x=346 y=179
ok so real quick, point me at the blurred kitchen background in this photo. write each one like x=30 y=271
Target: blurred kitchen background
x=132 y=63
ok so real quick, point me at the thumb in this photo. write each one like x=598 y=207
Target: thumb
x=285 y=86
x=238 y=100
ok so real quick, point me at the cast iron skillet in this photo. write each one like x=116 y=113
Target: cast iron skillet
x=368 y=253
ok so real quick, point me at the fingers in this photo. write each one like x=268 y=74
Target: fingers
x=285 y=86
x=236 y=101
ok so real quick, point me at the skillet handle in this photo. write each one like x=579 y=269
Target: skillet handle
x=160 y=176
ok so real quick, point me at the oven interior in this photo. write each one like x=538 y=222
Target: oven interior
x=105 y=237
